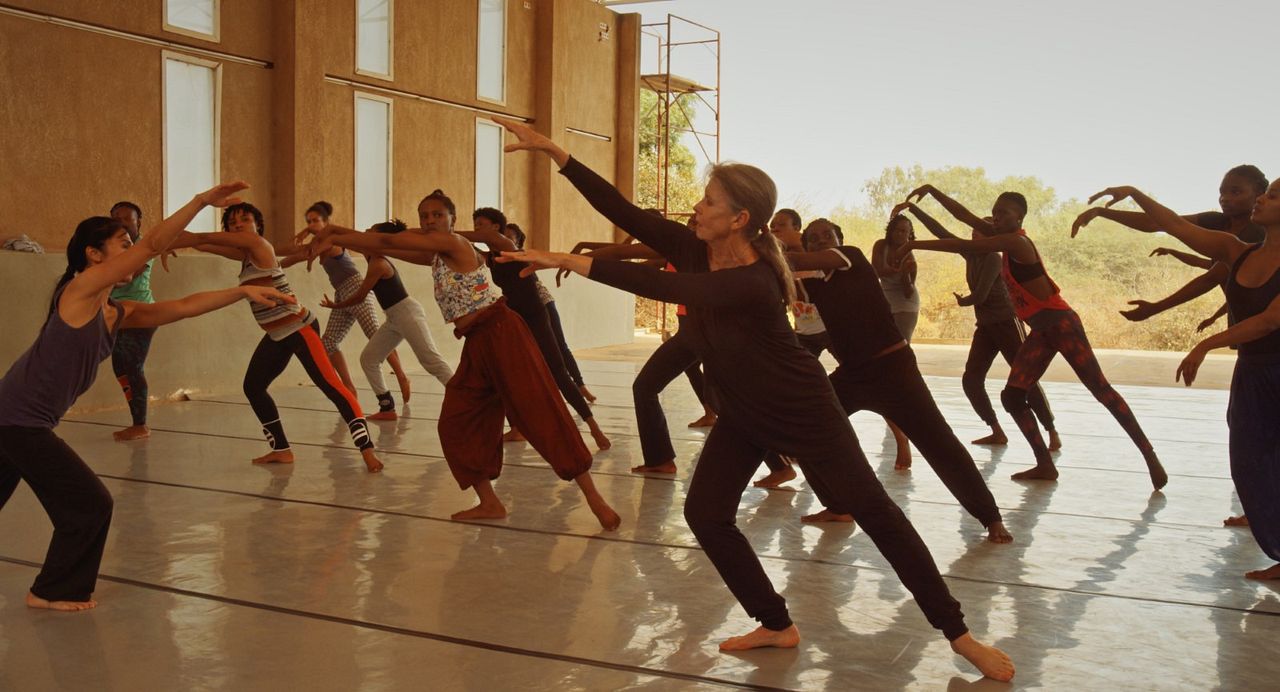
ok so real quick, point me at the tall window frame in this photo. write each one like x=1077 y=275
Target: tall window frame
x=365 y=217
x=174 y=199
x=490 y=164
x=491 y=51
x=173 y=28
x=362 y=7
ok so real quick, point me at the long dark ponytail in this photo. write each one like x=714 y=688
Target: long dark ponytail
x=93 y=232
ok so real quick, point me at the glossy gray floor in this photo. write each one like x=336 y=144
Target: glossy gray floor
x=223 y=575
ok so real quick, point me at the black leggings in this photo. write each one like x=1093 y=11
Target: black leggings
x=76 y=501
x=1004 y=338
x=694 y=373
x=539 y=322
x=844 y=481
x=667 y=362
x=892 y=386
x=270 y=359
x=1054 y=332
x=816 y=344
x=569 y=361
x=127 y=358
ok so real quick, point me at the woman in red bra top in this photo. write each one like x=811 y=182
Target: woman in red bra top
x=1055 y=327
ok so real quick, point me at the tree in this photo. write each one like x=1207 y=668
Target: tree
x=684 y=188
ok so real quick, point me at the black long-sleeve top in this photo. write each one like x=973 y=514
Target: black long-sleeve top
x=852 y=305
x=771 y=390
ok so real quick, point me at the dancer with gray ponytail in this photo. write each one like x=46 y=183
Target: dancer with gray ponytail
x=44 y=382
x=732 y=276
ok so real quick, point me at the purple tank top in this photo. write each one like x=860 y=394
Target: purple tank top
x=63 y=362
x=339 y=268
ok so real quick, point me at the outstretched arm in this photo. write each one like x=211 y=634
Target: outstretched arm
x=1193 y=289
x=495 y=240
x=953 y=207
x=825 y=260
x=410 y=246
x=724 y=288
x=1244 y=331
x=1217 y=314
x=665 y=236
x=1223 y=247
x=930 y=223
x=143 y=315
x=1183 y=257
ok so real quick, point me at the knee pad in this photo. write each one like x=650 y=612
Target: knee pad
x=1014 y=399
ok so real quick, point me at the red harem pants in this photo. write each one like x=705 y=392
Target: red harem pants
x=502 y=371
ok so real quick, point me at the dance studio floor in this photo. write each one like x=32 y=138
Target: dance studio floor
x=317 y=576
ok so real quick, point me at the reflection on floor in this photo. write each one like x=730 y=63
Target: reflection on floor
x=219 y=574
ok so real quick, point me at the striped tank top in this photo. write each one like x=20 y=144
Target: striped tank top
x=278 y=321
x=461 y=293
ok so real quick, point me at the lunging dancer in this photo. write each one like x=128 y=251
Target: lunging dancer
x=78 y=334
x=732 y=276
x=1055 y=327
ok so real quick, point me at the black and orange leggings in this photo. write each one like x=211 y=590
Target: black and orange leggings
x=1054 y=332
x=269 y=361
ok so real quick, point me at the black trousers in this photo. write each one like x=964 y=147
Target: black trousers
x=75 y=500
x=538 y=319
x=1004 y=338
x=845 y=482
x=672 y=357
x=892 y=386
x=569 y=361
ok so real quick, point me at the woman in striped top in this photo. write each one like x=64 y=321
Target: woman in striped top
x=291 y=330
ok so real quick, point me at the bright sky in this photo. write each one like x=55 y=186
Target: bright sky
x=1162 y=94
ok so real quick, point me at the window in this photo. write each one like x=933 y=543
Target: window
x=373 y=160
x=373 y=37
x=198 y=18
x=491 y=51
x=191 y=131
x=488 y=164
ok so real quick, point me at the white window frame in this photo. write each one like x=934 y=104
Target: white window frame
x=355 y=145
x=215 y=37
x=391 y=43
x=502 y=171
x=164 y=122
x=480 y=48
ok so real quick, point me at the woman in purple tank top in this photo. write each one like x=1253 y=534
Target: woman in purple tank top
x=62 y=363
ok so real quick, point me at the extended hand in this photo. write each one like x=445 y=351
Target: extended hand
x=1083 y=219
x=920 y=193
x=1140 y=311
x=1115 y=193
x=326 y=303
x=963 y=301
x=899 y=208
x=265 y=295
x=536 y=259
x=898 y=254
x=1189 y=366
x=164 y=259
x=221 y=195
x=1161 y=252
x=317 y=248
x=1207 y=323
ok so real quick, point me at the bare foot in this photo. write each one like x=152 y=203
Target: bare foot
x=1158 y=477
x=995 y=439
x=609 y=519
x=903 y=462
x=282 y=456
x=997 y=533
x=1241 y=520
x=602 y=440
x=668 y=467
x=777 y=478
x=133 y=432
x=586 y=394
x=989 y=660
x=34 y=601
x=706 y=421
x=485 y=510
x=1037 y=473
x=513 y=435
x=760 y=638
x=1272 y=572
x=1055 y=442
x=383 y=415
x=827 y=515
x=371 y=460
x=405 y=387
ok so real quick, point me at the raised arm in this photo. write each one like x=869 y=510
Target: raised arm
x=724 y=288
x=935 y=228
x=144 y=315
x=954 y=208
x=1223 y=247
x=667 y=237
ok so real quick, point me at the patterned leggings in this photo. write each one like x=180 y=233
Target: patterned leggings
x=1054 y=332
x=127 y=358
x=340 y=320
